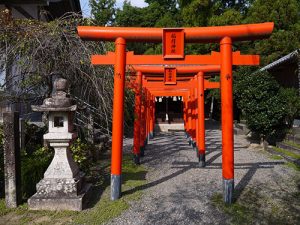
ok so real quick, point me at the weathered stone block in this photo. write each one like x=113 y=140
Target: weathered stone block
x=72 y=202
x=12 y=161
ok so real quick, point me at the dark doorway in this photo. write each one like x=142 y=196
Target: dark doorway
x=169 y=110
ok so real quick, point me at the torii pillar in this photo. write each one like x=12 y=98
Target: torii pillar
x=137 y=119
x=227 y=119
x=118 y=117
x=201 y=120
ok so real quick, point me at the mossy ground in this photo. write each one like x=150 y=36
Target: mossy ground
x=276 y=157
x=292 y=144
x=263 y=204
x=286 y=152
x=256 y=207
x=293 y=166
x=101 y=208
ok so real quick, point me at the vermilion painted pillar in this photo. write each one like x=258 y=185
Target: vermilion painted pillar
x=154 y=118
x=149 y=116
x=227 y=119
x=189 y=115
x=137 y=119
x=196 y=117
x=201 y=120
x=142 y=137
x=193 y=117
x=118 y=118
x=151 y=127
x=146 y=117
x=185 y=115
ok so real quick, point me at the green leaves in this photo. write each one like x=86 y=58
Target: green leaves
x=268 y=109
x=229 y=17
x=103 y=11
x=80 y=153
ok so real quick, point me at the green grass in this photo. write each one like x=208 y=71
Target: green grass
x=276 y=157
x=238 y=213
x=3 y=209
x=293 y=166
x=133 y=176
x=287 y=153
x=102 y=210
x=258 y=205
x=292 y=144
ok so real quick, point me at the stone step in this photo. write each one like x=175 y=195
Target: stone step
x=176 y=130
x=288 y=147
x=242 y=127
x=238 y=131
x=243 y=122
x=167 y=127
x=293 y=138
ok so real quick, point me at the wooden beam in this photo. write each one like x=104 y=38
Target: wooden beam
x=213 y=59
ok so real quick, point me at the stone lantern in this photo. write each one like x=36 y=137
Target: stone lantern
x=63 y=186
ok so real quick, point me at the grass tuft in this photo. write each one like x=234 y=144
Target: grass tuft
x=286 y=152
x=293 y=166
x=238 y=213
x=276 y=157
x=259 y=205
x=292 y=144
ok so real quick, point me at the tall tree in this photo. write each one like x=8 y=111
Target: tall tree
x=129 y=16
x=286 y=35
x=196 y=13
x=103 y=11
x=166 y=4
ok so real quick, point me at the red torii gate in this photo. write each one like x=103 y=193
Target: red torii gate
x=199 y=138
x=173 y=47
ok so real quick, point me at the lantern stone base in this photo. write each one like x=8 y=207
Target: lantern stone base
x=61 y=201
x=63 y=186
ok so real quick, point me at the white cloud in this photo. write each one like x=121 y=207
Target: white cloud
x=137 y=3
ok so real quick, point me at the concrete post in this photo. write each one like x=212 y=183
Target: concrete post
x=12 y=161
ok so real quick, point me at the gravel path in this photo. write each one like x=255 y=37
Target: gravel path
x=179 y=192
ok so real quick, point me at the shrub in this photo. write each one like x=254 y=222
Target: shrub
x=33 y=137
x=33 y=168
x=81 y=154
x=258 y=97
x=215 y=96
x=292 y=104
x=129 y=112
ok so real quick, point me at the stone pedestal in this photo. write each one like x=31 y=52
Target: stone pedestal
x=63 y=186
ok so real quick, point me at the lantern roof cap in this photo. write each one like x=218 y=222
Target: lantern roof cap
x=59 y=101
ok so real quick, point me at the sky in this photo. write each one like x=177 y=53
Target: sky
x=86 y=10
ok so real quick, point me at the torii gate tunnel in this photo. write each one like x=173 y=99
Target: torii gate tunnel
x=173 y=41
x=154 y=85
